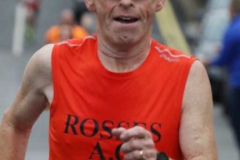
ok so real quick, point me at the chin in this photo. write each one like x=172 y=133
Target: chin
x=131 y=36
x=127 y=38
x=123 y=39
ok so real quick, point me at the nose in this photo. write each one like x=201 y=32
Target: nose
x=126 y=3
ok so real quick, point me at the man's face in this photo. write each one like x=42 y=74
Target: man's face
x=125 y=21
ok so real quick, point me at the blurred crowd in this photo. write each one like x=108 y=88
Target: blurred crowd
x=74 y=22
x=66 y=29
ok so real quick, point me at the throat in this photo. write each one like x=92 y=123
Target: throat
x=122 y=64
x=119 y=59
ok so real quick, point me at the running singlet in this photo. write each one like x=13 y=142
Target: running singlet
x=89 y=101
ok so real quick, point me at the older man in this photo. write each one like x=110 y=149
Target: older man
x=115 y=95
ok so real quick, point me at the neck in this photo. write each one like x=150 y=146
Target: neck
x=123 y=58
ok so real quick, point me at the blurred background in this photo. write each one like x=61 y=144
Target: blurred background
x=195 y=27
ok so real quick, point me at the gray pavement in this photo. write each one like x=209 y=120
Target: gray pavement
x=227 y=147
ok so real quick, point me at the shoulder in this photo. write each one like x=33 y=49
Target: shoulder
x=197 y=85
x=40 y=63
x=76 y=42
x=37 y=75
x=197 y=70
x=43 y=55
x=73 y=47
x=163 y=49
x=173 y=56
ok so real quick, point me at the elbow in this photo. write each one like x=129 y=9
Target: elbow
x=13 y=123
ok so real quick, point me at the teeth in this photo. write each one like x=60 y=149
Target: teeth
x=126 y=18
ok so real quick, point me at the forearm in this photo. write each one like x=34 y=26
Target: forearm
x=13 y=142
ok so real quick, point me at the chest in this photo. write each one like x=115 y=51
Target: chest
x=85 y=113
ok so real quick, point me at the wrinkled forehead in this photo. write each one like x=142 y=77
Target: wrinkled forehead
x=93 y=5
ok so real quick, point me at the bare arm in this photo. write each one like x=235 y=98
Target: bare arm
x=29 y=103
x=197 y=136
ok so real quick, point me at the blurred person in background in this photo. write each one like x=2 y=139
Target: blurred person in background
x=229 y=56
x=79 y=8
x=83 y=17
x=88 y=21
x=32 y=7
x=66 y=29
x=65 y=32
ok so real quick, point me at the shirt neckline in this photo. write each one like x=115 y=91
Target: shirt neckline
x=124 y=75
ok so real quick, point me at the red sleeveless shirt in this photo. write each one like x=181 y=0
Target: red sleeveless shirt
x=89 y=101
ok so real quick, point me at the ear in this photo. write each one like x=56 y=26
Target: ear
x=90 y=5
x=160 y=5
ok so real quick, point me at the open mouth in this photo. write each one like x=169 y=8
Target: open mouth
x=126 y=19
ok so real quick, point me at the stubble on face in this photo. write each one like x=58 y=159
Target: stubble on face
x=116 y=32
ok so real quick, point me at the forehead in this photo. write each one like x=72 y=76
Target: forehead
x=107 y=5
x=125 y=1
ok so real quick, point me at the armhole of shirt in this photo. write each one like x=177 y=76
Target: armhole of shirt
x=55 y=79
x=183 y=80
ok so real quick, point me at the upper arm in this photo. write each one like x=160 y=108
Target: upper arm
x=31 y=100
x=197 y=137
